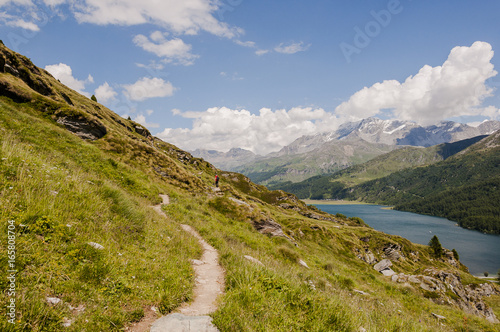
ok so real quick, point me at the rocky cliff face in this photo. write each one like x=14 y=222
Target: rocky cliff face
x=442 y=287
x=446 y=288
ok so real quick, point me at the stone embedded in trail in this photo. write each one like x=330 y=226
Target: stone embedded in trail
x=197 y=262
x=179 y=322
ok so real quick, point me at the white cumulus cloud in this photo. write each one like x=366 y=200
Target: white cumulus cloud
x=181 y=17
x=15 y=22
x=457 y=88
x=146 y=88
x=16 y=2
x=64 y=73
x=105 y=93
x=170 y=50
x=261 y=52
x=141 y=119
x=291 y=48
x=221 y=128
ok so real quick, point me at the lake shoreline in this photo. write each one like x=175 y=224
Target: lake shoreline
x=333 y=202
x=419 y=228
x=340 y=202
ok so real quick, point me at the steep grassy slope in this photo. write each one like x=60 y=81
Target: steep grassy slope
x=73 y=173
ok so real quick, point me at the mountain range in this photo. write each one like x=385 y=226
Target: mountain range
x=352 y=143
x=87 y=250
x=459 y=181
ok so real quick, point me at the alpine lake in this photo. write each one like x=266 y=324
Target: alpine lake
x=478 y=251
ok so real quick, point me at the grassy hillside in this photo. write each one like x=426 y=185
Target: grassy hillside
x=74 y=174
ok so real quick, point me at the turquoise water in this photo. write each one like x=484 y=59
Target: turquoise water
x=479 y=252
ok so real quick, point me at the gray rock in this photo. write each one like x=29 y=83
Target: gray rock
x=182 y=323
x=66 y=322
x=388 y=272
x=438 y=316
x=142 y=131
x=82 y=127
x=360 y=292
x=301 y=262
x=53 y=300
x=254 y=260
x=382 y=265
x=197 y=262
x=369 y=257
x=266 y=225
x=426 y=287
x=239 y=202
x=96 y=245
x=413 y=279
x=11 y=70
x=393 y=252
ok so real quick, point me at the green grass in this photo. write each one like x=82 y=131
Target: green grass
x=58 y=205
x=284 y=296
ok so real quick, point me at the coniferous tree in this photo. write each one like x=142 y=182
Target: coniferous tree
x=93 y=98
x=436 y=247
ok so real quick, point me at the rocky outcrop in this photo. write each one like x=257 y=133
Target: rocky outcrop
x=84 y=128
x=393 y=252
x=21 y=67
x=266 y=225
x=17 y=96
x=384 y=267
x=142 y=131
x=447 y=288
x=316 y=216
x=367 y=256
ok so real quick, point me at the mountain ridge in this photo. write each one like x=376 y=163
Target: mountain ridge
x=308 y=156
x=378 y=167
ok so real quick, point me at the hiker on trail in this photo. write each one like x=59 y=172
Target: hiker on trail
x=216 y=180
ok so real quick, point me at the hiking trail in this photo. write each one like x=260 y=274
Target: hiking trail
x=209 y=284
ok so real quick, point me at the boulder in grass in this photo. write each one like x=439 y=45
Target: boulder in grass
x=382 y=265
x=96 y=245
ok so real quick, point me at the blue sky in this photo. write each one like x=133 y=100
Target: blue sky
x=259 y=74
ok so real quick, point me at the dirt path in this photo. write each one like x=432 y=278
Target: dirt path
x=209 y=285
